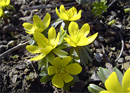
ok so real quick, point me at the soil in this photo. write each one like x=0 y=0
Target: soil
x=110 y=49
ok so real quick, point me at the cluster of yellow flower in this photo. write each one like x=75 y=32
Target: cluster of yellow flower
x=60 y=68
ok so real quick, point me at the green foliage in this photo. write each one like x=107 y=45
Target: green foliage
x=99 y=7
x=103 y=74
x=94 y=88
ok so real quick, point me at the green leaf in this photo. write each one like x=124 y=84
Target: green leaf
x=103 y=74
x=60 y=53
x=41 y=63
x=46 y=78
x=58 y=21
x=50 y=57
x=119 y=74
x=43 y=73
x=74 y=55
x=84 y=56
x=62 y=35
x=67 y=85
x=94 y=88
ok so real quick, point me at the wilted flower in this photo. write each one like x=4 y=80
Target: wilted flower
x=4 y=2
x=38 y=25
x=68 y=15
x=61 y=69
x=78 y=37
x=113 y=85
x=45 y=46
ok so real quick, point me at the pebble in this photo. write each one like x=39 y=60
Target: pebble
x=127 y=46
x=101 y=38
x=113 y=48
x=121 y=60
x=96 y=43
x=99 y=50
x=14 y=78
x=127 y=58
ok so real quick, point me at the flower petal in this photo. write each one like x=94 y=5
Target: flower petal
x=92 y=38
x=57 y=12
x=55 y=43
x=62 y=8
x=126 y=80
x=85 y=29
x=66 y=60
x=74 y=69
x=67 y=78
x=1 y=12
x=83 y=41
x=28 y=26
x=46 y=21
x=39 y=57
x=76 y=17
x=33 y=49
x=37 y=21
x=51 y=70
x=72 y=11
x=57 y=81
x=73 y=26
x=51 y=35
x=104 y=91
x=29 y=32
x=56 y=62
x=47 y=49
x=63 y=16
x=112 y=84
x=41 y=40
x=7 y=2
x=2 y=3
x=70 y=41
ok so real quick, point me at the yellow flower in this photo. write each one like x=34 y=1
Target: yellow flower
x=78 y=37
x=113 y=85
x=68 y=15
x=61 y=69
x=45 y=46
x=4 y=2
x=38 y=25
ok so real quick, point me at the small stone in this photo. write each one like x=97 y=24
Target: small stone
x=14 y=78
x=127 y=46
x=99 y=50
x=101 y=38
x=127 y=58
x=121 y=60
x=113 y=48
x=96 y=43
x=98 y=57
x=20 y=66
x=126 y=65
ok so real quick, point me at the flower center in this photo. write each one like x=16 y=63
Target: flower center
x=61 y=70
